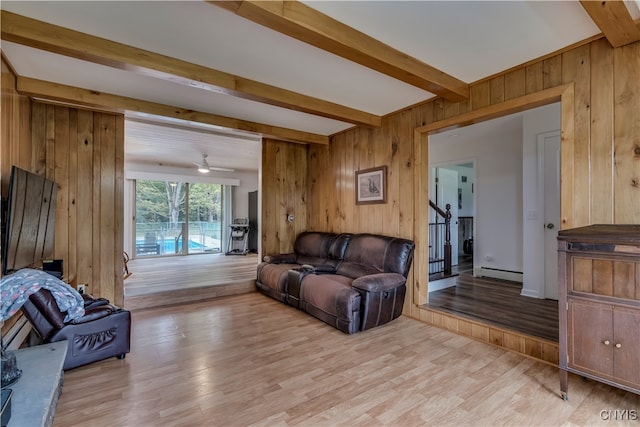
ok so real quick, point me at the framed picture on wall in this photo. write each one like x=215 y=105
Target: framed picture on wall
x=371 y=186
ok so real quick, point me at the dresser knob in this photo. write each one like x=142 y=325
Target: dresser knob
x=606 y=342
x=618 y=345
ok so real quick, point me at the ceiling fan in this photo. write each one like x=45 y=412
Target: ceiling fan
x=203 y=166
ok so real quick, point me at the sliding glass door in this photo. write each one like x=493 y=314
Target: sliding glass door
x=177 y=218
x=205 y=218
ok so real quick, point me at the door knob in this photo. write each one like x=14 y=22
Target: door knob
x=618 y=345
x=606 y=342
x=550 y=226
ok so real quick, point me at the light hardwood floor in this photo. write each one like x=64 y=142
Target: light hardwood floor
x=249 y=360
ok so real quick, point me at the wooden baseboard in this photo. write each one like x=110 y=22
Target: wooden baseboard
x=534 y=347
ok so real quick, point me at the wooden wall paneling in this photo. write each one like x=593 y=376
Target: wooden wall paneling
x=404 y=157
x=552 y=72
x=107 y=203
x=567 y=137
x=283 y=191
x=318 y=194
x=38 y=139
x=534 y=77
x=50 y=141
x=438 y=109
x=15 y=148
x=96 y=205
x=380 y=142
x=347 y=208
x=496 y=90
x=602 y=132
x=418 y=287
x=479 y=96
x=451 y=109
x=269 y=239
x=515 y=84
x=390 y=212
x=576 y=66
x=283 y=165
x=15 y=131
x=61 y=177
x=422 y=115
x=16 y=134
x=118 y=232
x=71 y=263
x=84 y=142
x=627 y=134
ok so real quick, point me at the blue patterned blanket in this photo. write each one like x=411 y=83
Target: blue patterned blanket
x=15 y=289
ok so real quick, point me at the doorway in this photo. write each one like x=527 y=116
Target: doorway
x=510 y=193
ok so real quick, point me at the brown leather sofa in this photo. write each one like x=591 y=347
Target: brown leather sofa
x=104 y=330
x=353 y=282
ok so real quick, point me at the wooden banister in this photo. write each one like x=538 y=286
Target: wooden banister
x=446 y=214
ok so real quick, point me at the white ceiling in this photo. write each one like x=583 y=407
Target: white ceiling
x=469 y=40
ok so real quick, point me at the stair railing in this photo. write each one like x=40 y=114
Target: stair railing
x=443 y=250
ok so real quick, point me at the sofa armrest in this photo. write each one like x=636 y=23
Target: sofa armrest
x=280 y=259
x=95 y=313
x=379 y=282
x=324 y=269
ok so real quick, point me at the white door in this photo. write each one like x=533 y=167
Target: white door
x=448 y=193
x=549 y=144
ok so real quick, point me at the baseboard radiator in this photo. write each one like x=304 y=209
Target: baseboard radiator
x=514 y=276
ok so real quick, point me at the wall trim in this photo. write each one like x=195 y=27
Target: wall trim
x=512 y=276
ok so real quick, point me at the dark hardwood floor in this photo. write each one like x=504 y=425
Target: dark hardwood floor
x=498 y=302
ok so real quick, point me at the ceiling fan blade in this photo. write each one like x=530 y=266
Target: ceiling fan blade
x=214 y=168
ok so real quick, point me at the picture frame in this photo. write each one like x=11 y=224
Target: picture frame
x=371 y=186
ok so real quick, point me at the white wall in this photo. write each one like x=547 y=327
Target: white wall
x=248 y=183
x=467 y=190
x=534 y=122
x=496 y=147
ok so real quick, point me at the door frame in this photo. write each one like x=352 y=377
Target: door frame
x=418 y=293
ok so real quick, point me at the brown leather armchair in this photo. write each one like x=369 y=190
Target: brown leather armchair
x=104 y=331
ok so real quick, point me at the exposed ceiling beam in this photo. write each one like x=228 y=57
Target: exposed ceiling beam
x=59 y=40
x=89 y=98
x=303 y=23
x=614 y=20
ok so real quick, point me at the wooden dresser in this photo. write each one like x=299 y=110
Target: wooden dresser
x=599 y=301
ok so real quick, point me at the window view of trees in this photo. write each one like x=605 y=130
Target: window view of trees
x=177 y=218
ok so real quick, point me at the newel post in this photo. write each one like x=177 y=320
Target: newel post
x=447 y=242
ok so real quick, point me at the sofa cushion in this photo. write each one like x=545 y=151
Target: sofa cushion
x=370 y=254
x=330 y=298
x=313 y=244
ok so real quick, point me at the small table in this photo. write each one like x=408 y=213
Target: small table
x=36 y=393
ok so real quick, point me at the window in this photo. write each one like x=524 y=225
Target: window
x=177 y=218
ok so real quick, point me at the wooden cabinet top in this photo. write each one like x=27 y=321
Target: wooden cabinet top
x=603 y=233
